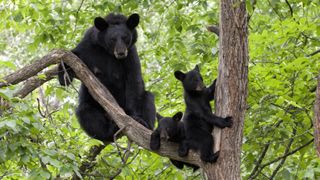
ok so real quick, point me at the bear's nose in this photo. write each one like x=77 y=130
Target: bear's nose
x=121 y=54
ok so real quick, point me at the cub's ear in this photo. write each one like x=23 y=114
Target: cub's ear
x=197 y=68
x=179 y=75
x=177 y=117
x=133 y=21
x=100 y=23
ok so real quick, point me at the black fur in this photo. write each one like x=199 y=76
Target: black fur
x=170 y=129
x=108 y=49
x=198 y=118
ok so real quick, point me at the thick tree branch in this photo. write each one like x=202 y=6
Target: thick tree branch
x=316 y=121
x=31 y=70
x=132 y=129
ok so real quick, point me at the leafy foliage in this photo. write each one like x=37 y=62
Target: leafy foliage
x=41 y=139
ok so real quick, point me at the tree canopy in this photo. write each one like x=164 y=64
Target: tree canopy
x=41 y=138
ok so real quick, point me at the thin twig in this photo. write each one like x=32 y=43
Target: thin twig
x=117 y=145
x=76 y=21
x=291 y=11
x=314 y=53
x=39 y=109
x=67 y=77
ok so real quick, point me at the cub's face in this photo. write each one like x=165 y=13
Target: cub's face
x=169 y=126
x=192 y=80
x=117 y=38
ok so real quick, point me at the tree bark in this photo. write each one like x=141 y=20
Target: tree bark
x=316 y=121
x=231 y=90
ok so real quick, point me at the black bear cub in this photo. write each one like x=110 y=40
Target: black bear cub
x=198 y=118
x=108 y=49
x=170 y=129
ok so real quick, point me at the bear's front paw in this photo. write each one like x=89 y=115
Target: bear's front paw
x=228 y=121
x=141 y=121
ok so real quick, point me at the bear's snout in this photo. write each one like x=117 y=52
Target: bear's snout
x=120 y=53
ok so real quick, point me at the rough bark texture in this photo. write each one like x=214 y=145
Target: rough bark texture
x=316 y=121
x=132 y=129
x=231 y=90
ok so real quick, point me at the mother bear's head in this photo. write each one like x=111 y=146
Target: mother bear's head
x=117 y=33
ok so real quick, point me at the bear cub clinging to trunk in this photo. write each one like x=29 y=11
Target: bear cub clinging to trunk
x=198 y=118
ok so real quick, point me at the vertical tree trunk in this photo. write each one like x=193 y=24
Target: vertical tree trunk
x=316 y=121
x=231 y=90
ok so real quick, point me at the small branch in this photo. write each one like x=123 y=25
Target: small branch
x=67 y=77
x=89 y=163
x=287 y=154
x=124 y=158
x=264 y=152
x=255 y=169
x=284 y=158
x=253 y=4
x=291 y=11
x=77 y=17
x=314 y=53
x=275 y=10
x=35 y=82
x=117 y=145
x=39 y=109
x=214 y=29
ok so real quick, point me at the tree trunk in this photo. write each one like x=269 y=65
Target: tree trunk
x=231 y=90
x=316 y=121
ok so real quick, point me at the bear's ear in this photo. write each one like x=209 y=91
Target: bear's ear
x=100 y=23
x=179 y=75
x=177 y=117
x=197 y=68
x=133 y=21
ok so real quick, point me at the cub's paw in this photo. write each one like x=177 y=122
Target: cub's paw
x=182 y=151
x=228 y=121
x=155 y=142
x=215 y=157
x=210 y=158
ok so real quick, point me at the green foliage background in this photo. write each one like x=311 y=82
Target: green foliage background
x=172 y=36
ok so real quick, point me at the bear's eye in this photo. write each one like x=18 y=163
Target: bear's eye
x=125 y=39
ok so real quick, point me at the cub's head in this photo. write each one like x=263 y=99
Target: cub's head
x=169 y=128
x=117 y=33
x=192 y=81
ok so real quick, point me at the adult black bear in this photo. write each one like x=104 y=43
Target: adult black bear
x=170 y=129
x=198 y=118
x=108 y=49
